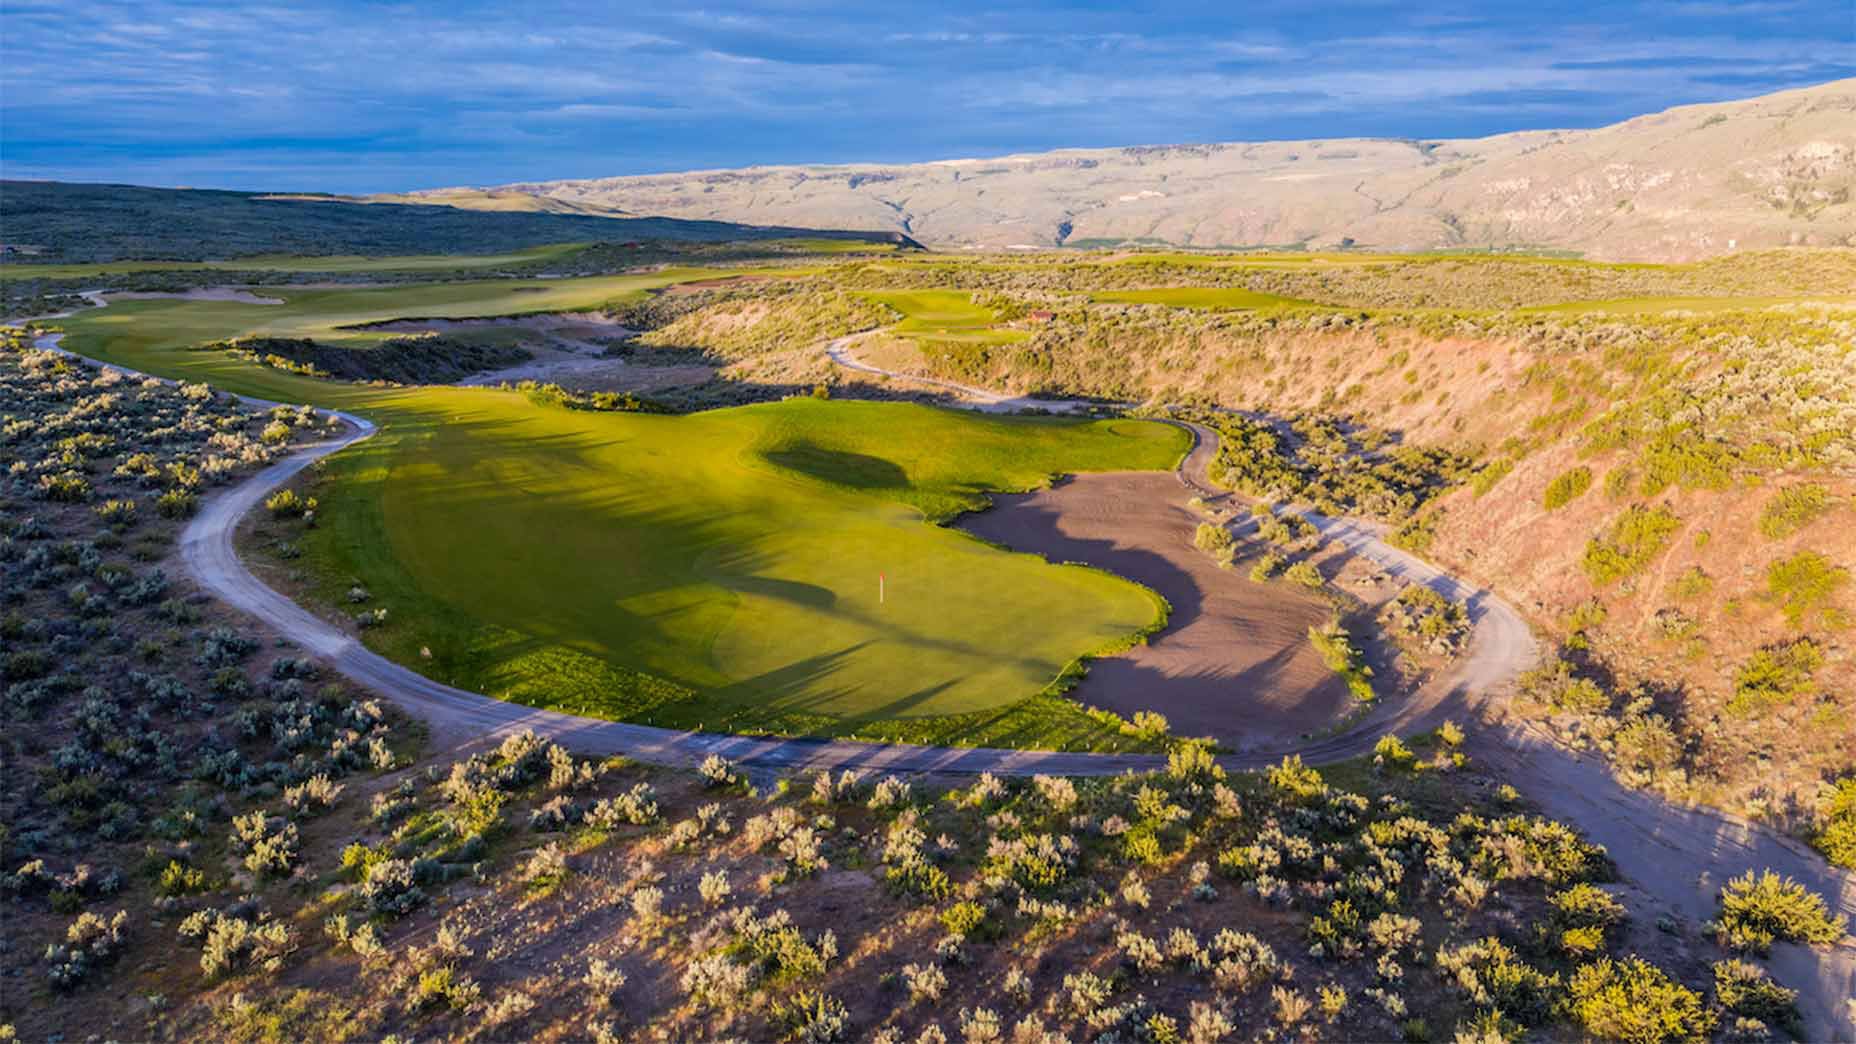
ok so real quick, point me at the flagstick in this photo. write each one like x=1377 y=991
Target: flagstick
x=881 y=589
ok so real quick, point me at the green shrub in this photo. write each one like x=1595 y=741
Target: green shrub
x=1492 y=472
x=1756 y=911
x=1635 y=1002
x=286 y=503
x=117 y=513
x=1304 y=574
x=1747 y=991
x=1584 y=916
x=963 y=918
x=1635 y=539
x=1343 y=658
x=177 y=503
x=1568 y=487
x=1837 y=839
x=1792 y=509
x=1803 y=583
x=1266 y=567
x=1619 y=482
x=1417 y=533
x=1216 y=541
x=1694 y=582
x=1775 y=676
x=65 y=486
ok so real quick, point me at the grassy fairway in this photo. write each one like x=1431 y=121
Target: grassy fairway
x=944 y=317
x=411 y=263
x=1212 y=297
x=717 y=570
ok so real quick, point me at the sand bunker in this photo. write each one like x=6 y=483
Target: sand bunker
x=1234 y=661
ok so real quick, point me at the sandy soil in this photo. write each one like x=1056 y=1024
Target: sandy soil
x=1234 y=661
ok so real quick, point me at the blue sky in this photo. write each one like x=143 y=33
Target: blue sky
x=362 y=96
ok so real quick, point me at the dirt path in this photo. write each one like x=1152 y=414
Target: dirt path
x=1679 y=857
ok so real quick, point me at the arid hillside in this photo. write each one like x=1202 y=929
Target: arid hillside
x=1663 y=485
x=1689 y=182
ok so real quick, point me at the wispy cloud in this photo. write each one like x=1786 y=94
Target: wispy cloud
x=357 y=95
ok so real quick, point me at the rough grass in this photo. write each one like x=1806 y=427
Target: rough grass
x=1211 y=297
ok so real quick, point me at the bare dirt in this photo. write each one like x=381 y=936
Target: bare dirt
x=1234 y=661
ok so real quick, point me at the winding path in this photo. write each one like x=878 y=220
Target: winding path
x=1677 y=857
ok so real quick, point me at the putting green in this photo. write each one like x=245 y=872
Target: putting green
x=719 y=569
x=945 y=317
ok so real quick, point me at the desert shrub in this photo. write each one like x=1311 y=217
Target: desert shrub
x=963 y=918
x=286 y=503
x=1793 y=508
x=637 y=806
x=1216 y=541
x=925 y=982
x=1417 y=533
x=390 y=887
x=1692 y=583
x=1803 y=583
x=1494 y=977
x=1490 y=474
x=117 y=513
x=718 y=771
x=546 y=870
x=177 y=878
x=232 y=939
x=1837 y=837
x=1304 y=574
x=314 y=794
x=90 y=942
x=269 y=843
x=1267 y=566
x=1775 y=676
x=1344 y=658
x=812 y=1017
x=1747 y=991
x=1421 y=613
x=65 y=486
x=177 y=503
x=1755 y=911
x=714 y=887
x=1636 y=1002
x=1584 y=916
x=1567 y=487
x=1633 y=541
x=1149 y=725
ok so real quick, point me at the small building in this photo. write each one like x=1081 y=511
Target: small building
x=1040 y=315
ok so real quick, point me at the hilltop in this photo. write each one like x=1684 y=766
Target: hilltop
x=1689 y=182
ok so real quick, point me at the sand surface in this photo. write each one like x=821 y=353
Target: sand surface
x=1234 y=661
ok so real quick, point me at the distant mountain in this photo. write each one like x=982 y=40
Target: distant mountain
x=60 y=221
x=1688 y=182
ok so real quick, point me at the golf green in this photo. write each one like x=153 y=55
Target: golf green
x=770 y=567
